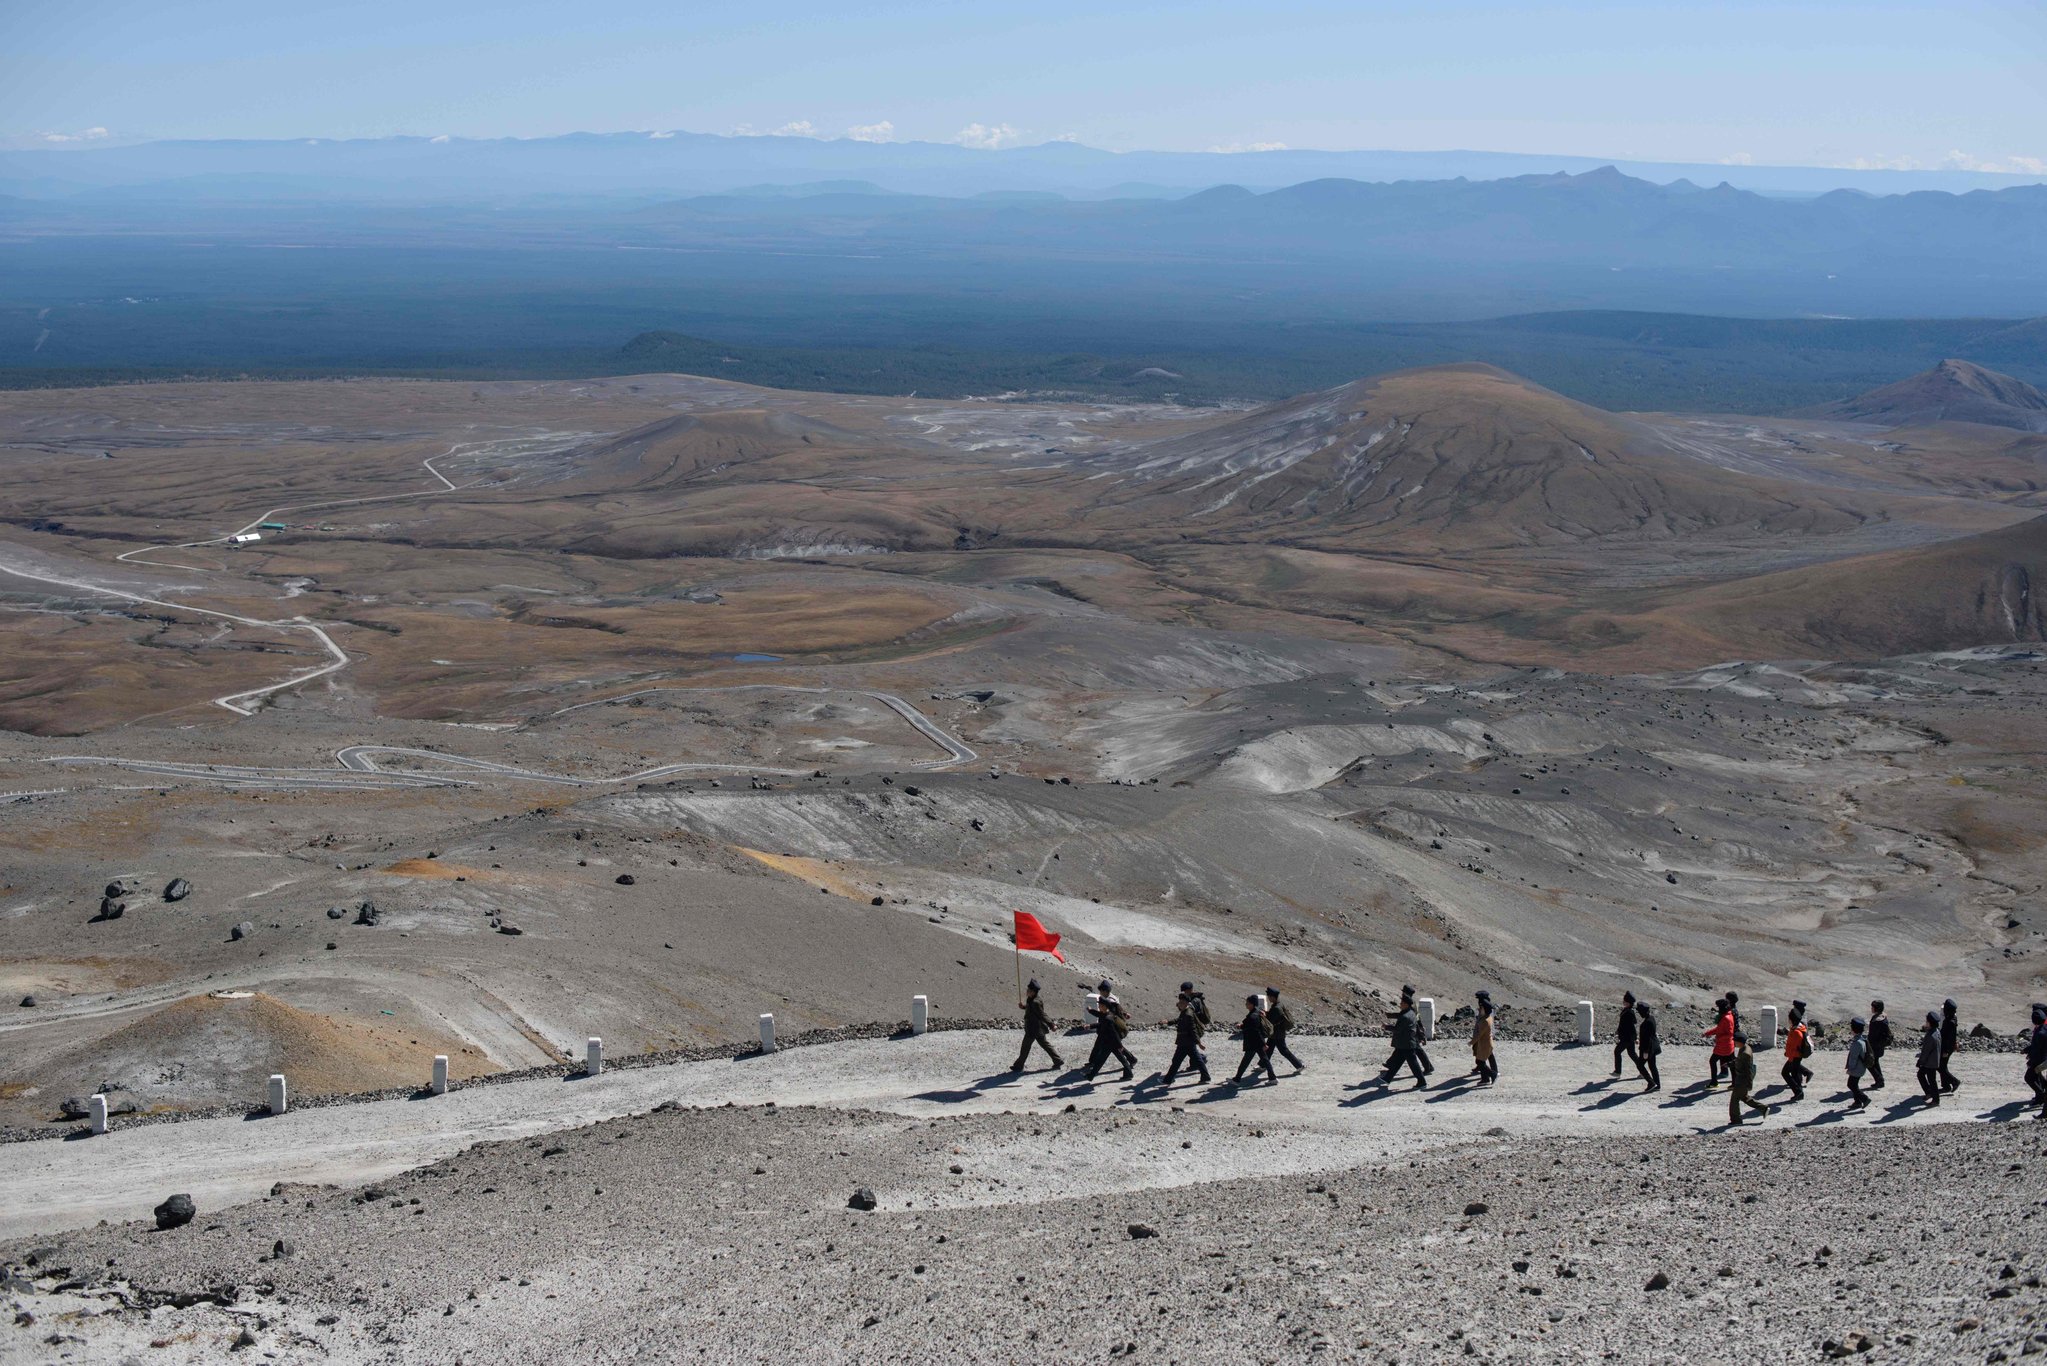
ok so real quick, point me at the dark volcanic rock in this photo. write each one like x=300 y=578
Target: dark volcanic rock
x=177 y=890
x=243 y=930
x=368 y=914
x=624 y=879
x=1143 y=1231
x=862 y=1199
x=510 y=929
x=28 y=1002
x=176 y=1212
x=337 y=912
x=111 y=909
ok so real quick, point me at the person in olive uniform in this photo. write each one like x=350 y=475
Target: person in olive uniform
x=1037 y=1029
x=2036 y=1058
x=1879 y=1043
x=1625 y=1035
x=1407 y=1028
x=1950 y=1038
x=1741 y=1071
x=1648 y=1047
x=1111 y=1023
x=1929 y=1058
x=1280 y=1021
x=1257 y=1041
x=1187 y=1033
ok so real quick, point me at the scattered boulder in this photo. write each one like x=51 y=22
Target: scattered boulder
x=280 y=1248
x=1143 y=1231
x=337 y=912
x=119 y=1102
x=243 y=1341
x=177 y=890
x=111 y=909
x=1982 y=1031
x=863 y=1199
x=243 y=930
x=510 y=929
x=115 y=891
x=1671 y=878
x=176 y=1212
x=624 y=879
x=368 y=914
x=28 y=1002
x=1658 y=1282
x=874 y=901
x=1476 y=1208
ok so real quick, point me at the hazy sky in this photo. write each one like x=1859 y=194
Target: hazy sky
x=1837 y=83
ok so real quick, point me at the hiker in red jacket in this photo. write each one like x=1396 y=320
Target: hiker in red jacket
x=1797 y=1048
x=1721 y=1031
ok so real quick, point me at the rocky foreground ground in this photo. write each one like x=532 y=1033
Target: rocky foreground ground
x=725 y=1234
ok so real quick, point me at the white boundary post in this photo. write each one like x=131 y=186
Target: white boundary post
x=279 y=1097
x=593 y=1057
x=1768 y=1029
x=440 y=1082
x=1586 y=1031
x=99 y=1114
x=920 y=1014
x=1425 y=1012
x=767 y=1033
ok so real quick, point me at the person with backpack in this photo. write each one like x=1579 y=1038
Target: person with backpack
x=1407 y=1028
x=1648 y=1046
x=1626 y=1032
x=1257 y=1037
x=1281 y=1022
x=1482 y=1054
x=1950 y=1038
x=2036 y=1058
x=1199 y=1001
x=1797 y=1048
x=1721 y=1032
x=1112 y=1022
x=1929 y=1057
x=1187 y=1032
x=1741 y=1073
x=1037 y=1029
x=1733 y=1000
x=1858 y=1061
x=1879 y=1043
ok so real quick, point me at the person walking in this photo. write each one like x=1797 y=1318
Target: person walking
x=1858 y=1061
x=1797 y=1048
x=1648 y=1046
x=1281 y=1022
x=1406 y=1030
x=1482 y=1054
x=1879 y=1043
x=1929 y=1057
x=1187 y=1032
x=1112 y=1022
x=1199 y=1000
x=1741 y=1072
x=1626 y=1032
x=1733 y=999
x=1257 y=1041
x=2036 y=1058
x=1721 y=1032
x=1037 y=1029
x=1950 y=1039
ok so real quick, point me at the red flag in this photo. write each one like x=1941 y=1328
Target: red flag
x=1031 y=937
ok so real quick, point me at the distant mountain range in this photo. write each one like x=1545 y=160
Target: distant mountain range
x=439 y=169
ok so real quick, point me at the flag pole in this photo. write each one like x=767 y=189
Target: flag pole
x=1013 y=943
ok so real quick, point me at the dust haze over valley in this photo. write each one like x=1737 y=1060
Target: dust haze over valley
x=546 y=676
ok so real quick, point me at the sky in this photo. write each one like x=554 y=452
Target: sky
x=1864 y=83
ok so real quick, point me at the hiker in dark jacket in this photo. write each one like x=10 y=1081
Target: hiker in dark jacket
x=1648 y=1046
x=1187 y=1042
x=1929 y=1057
x=1858 y=1062
x=1407 y=1029
x=1257 y=1040
x=1625 y=1034
x=1111 y=1023
x=1741 y=1071
x=1037 y=1029
x=1281 y=1022
x=2036 y=1058
x=1199 y=1001
x=1950 y=1037
x=1879 y=1043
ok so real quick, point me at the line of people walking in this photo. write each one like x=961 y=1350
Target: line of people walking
x=1267 y=1024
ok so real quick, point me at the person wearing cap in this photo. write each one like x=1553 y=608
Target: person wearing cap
x=1648 y=1047
x=1879 y=1043
x=1950 y=1038
x=1257 y=1041
x=1112 y=1022
x=1858 y=1061
x=1797 y=1048
x=1406 y=1029
x=1187 y=1041
x=1280 y=1021
x=1721 y=1032
x=1741 y=1072
x=1485 y=1061
x=2036 y=1057
x=1199 y=1001
x=1929 y=1057
x=1037 y=1029
x=1626 y=1034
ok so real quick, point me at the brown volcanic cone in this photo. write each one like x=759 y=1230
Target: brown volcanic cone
x=1952 y=391
x=1457 y=457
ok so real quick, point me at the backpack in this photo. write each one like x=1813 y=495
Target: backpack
x=1119 y=1019
x=1804 y=1043
x=1282 y=1018
x=1200 y=1004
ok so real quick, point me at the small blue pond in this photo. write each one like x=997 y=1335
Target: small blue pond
x=758 y=659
